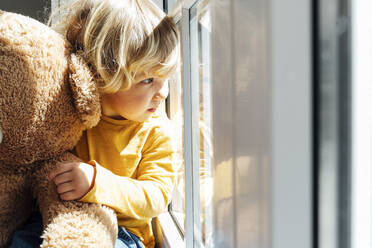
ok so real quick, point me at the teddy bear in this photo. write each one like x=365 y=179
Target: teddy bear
x=48 y=97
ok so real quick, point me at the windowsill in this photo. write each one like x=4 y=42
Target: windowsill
x=167 y=233
x=178 y=218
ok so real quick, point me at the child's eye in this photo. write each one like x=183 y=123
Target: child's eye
x=148 y=81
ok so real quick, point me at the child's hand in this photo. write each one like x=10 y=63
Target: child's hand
x=73 y=180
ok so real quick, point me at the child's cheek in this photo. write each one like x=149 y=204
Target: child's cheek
x=143 y=99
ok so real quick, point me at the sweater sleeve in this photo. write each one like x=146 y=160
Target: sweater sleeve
x=149 y=194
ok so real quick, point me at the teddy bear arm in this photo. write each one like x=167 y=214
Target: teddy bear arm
x=15 y=203
x=72 y=223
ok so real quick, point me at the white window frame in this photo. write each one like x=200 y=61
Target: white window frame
x=361 y=213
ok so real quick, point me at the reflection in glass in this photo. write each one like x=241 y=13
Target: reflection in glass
x=200 y=53
x=202 y=69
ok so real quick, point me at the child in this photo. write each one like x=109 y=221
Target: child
x=132 y=48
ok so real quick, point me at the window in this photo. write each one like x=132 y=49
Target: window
x=169 y=5
x=190 y=111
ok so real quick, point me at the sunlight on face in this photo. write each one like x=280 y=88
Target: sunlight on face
x=137 y=103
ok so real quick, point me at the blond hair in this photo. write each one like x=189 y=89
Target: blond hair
x=121 y=38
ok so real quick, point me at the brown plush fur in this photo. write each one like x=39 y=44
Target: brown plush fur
x=47 y=99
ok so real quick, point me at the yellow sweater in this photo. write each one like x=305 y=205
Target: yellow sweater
x=135 y=173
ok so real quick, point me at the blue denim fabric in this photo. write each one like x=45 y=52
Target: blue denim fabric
x=29 y=235
x=127 y=239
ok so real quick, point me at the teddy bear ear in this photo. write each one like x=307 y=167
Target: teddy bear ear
x=85 y=91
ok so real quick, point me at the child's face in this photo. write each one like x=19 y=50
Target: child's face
x=139 y=102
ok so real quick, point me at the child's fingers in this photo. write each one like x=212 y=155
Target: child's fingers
x=65 y=187
x=60 y=169
x=68 y=196
x=63 y=178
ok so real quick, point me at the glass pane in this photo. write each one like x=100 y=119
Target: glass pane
x=200 y=32
x=175 y=112
x=200 y=53
x=159 y=3
x=169 y=5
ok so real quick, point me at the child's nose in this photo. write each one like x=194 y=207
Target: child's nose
x=163 y=91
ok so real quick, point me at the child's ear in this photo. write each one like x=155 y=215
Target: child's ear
x=85 y=91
